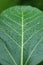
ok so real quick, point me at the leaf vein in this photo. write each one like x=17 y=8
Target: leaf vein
x=32 y=26
x=32 y=20
x=11 y=20
x=33 y=51
x=32 y=36
x=10 y=37
x=11 y=28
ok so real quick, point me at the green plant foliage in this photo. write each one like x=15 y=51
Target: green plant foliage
x=21 y=36
x=4 y=4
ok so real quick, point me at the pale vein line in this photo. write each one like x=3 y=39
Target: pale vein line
x=32 y=36
x=10 y=54
x=32 y=20
x=11 y=28
x=31 y=16
x=32 y=26
x=31 y=12
x=33 y=51
x=10 y=37
x=12 y=20
x=13 y=14
x=5 y=46
x=22 y=42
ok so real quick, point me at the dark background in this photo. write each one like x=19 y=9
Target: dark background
x=8 y=3
x=4 y=4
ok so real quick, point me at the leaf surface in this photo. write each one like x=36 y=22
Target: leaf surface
x=21 y=36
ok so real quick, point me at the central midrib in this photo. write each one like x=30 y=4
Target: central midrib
x=22 y=42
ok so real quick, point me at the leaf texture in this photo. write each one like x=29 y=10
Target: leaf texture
x=21 y=36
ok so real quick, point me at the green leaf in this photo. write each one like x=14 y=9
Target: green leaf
x=21 y=36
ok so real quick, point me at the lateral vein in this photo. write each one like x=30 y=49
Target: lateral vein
x=10 y=55
x=33 y=51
